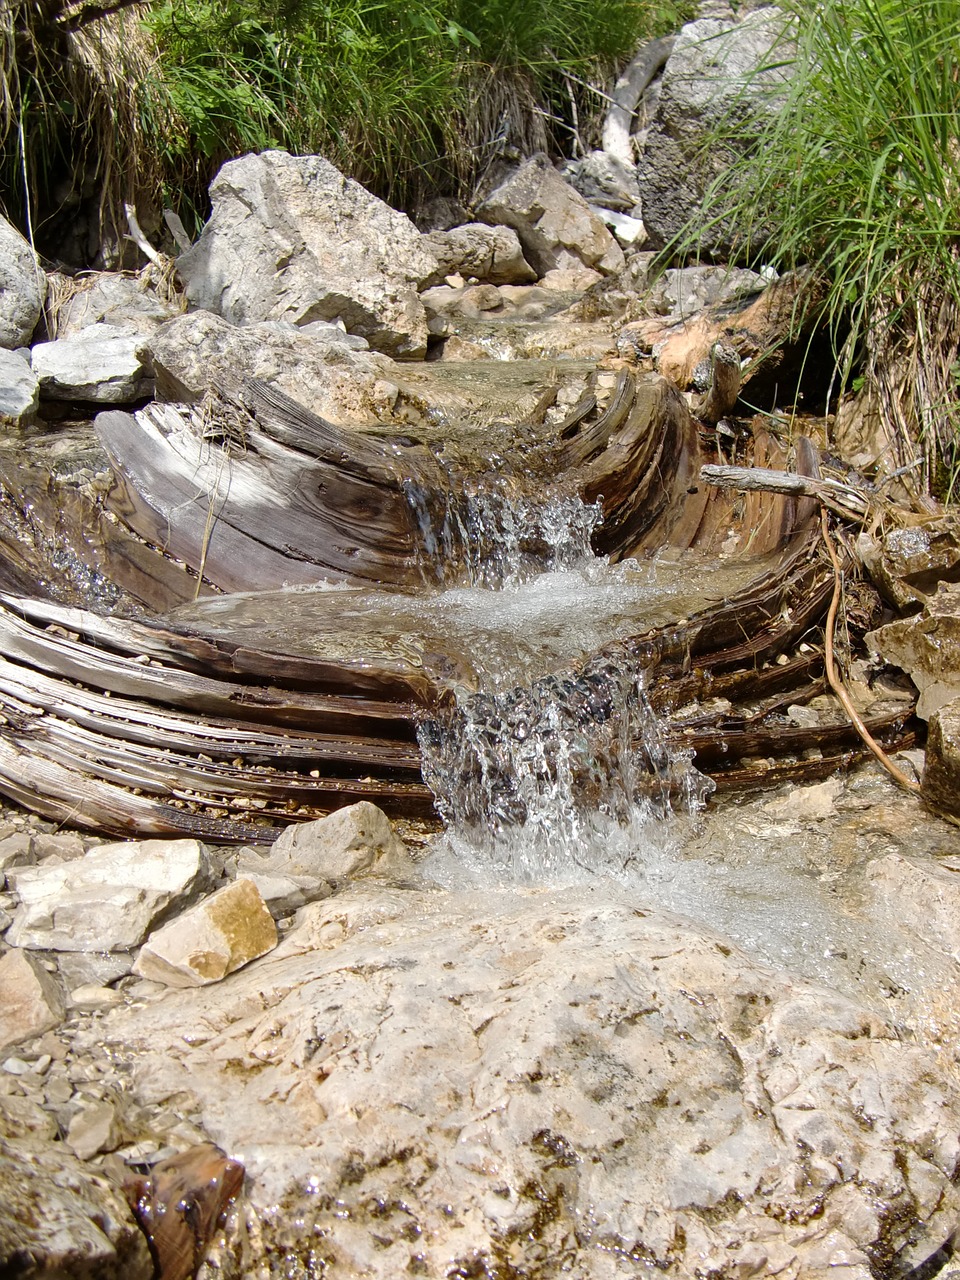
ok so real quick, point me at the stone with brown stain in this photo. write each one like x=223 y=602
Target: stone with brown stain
x=220 y=934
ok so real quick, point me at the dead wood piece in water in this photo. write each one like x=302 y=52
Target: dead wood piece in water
x=732 y=742
x=181 y=1204
x=283 y=497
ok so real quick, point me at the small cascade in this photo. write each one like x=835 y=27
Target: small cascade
x=568 y=777
x=490 y=536
x=541 y=776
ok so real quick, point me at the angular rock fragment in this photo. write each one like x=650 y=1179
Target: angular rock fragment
x=107 y=900
x=927 y=647
x=220 y=934
x=356 y=841
x=30 y=999
x=100 y=365
x=941 y=773
x=93 y=1129
x=19 y=390
x=555 y=224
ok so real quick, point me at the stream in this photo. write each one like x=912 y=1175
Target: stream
x=605 y=1023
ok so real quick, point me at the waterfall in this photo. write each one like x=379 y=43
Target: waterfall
x=568 y=777
x=487 y=535
x=565 y=774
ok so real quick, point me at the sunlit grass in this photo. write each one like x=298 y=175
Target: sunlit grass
x=857 y=171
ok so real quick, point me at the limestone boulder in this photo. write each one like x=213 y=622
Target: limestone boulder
x=108 y=899
x=556 y=226
x=353 y=842
x=490 y=254
x=122 y=301
x=425 y=1080
x=101 y=364
x=718 y=72
x=217 y=936
x=927 y=646
x=290 y=238
x=31 y=1001
x=23 y=287
x=19 y=389
x=322 y=369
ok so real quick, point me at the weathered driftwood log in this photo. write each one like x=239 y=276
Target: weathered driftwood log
x=127 y=724
x=844 y=499
x=255 y=492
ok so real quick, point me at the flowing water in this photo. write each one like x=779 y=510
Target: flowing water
x=551 y=768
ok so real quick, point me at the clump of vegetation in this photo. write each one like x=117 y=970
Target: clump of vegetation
x=73 y=123
x=412 y=97
x=856 y=171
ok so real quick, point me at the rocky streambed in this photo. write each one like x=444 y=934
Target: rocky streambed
x=738 y=1060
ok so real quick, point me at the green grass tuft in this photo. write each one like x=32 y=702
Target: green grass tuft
x=857 y=172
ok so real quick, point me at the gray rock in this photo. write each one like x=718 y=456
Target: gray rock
x=712 y=77
x=121 y=301
x=941 y=771
x=356 y=841
x=686 y=291
x=603 y=179
x=92 y=968
x=107 y=900
x=100 y=365
x=19 y=390
x=417 y=1077
x=926 y=646
x=290 y=238
x=23 y=287
x=217 y=936
x=30 y=999
x=555 y=224
x=60 y=1220
x=491 y=254
x=200 y=351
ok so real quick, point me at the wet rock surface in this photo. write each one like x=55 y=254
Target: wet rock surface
x=421 y=1079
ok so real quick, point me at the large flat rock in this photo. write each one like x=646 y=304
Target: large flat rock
x=437 y=1083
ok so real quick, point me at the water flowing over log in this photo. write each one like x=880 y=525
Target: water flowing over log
x=115 y=718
